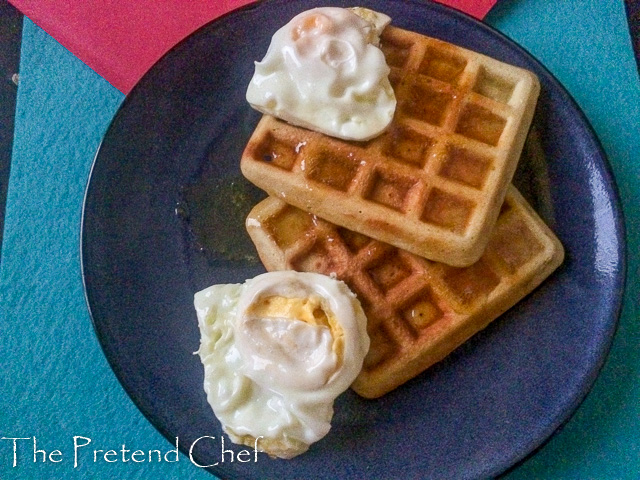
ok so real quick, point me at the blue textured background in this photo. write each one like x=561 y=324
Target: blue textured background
x=56 y=382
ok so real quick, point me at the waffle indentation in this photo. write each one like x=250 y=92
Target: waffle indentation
x=443 y=66
x=390 y=189
x=353 y=240
x=396 y=52
x=407 y=145
x=426 y=103
x=465 y=166
x=288 y=226
x=319 y=259
x=494 y=86
x=276 y=152
x=506 y=207
x=382 y=347
x=330 y=169
x=447 y=210
x=514 y=243
x=422 y=311
x=471 y=284
x=480 y=124
x=390 y=271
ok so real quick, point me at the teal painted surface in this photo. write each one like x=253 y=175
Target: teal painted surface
x=56 y=382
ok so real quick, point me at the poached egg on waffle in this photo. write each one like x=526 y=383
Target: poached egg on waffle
x=277 y=351
x=324 y=71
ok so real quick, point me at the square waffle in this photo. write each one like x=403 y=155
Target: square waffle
x=418 y=310
x=431 y=184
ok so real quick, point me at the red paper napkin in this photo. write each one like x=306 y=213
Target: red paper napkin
x=122 y=39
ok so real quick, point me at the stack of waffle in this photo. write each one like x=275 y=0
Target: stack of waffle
x=421 y=222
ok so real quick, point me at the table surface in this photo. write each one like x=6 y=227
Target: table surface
x=57 y=384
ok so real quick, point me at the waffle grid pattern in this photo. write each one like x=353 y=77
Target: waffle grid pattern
x=430 y=184
x=418 y=310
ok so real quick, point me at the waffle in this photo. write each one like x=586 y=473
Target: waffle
x=418 y=310
x=431 y=184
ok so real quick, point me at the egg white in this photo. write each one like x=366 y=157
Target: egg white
x=256 y=385
x=328 y=76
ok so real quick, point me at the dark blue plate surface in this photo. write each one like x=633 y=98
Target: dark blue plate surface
x=166 y=176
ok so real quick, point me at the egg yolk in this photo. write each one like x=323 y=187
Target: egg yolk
x=311 y=24
x=309 y=310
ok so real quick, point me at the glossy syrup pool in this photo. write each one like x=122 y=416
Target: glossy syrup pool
x=214 y=209
x=214 y=202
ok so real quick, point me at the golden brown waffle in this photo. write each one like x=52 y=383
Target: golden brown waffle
x=418 y=311
x=433 y=183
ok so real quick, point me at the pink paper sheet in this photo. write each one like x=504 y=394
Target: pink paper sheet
x=122 y=39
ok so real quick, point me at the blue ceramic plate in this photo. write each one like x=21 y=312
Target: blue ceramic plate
x=164 y=215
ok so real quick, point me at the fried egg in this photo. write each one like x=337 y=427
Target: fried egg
x=324 y=71
x=277 y=351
